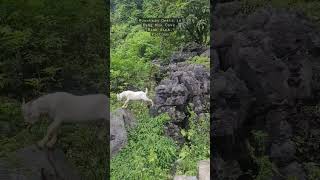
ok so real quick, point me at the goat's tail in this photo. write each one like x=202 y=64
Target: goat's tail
x=146 y=91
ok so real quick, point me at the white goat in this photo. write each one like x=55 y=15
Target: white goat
x=131 y=95
x=62 y=107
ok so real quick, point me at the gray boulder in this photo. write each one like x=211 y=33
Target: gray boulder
x=121 y=121
x=283 y=153
x=32 y=163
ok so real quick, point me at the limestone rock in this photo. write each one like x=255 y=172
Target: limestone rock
x=121 y=121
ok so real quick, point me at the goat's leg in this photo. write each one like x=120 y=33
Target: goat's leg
x=151 y=102
x=53 y=139
x=125 y=105
x=51 y=129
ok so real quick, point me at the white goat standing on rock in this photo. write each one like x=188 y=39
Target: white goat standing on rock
x=131 y=95
x=62 y=107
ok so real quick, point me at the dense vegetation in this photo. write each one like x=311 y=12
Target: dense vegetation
x=149 y=153
x=49 y=46
x=133 y=49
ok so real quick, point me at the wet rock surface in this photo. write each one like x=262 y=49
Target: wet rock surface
x=267 y=80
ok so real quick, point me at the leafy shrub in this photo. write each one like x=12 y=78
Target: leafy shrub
x=85 y=151
x=18 y=136
x=266 y=168
x=197 y=148
x=148 y=154
x=131 y=61
x=196 y=20
x=45 y=45
x=10 y=117
x=200 y=60
x=313 y=170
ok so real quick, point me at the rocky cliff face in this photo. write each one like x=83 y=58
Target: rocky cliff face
x=184 y=86
x=266 y=69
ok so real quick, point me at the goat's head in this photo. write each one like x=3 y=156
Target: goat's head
x=30 y=112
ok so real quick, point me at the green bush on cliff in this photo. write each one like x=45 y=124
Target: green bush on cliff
x=148 y=154
x=196 y=148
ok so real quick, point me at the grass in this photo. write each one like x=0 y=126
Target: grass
x=198 y=146
x=152 y=155
x=148 y=154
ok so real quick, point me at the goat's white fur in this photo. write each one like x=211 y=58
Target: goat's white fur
x=62 y=107
x=132 y=95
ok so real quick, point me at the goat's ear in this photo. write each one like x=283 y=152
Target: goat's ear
x=23 y=101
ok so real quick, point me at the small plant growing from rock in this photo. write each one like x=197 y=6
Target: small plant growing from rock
x=200 y=60
x=266 y=168
x=313 y=170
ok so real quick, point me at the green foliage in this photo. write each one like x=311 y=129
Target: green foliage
x=46 y=44
x=148 y=154
x=197 y=148
x=196 y=24
x=124 y=11
x=129 y=61
x=266 y=168
x=17 y=136
x=195 y=13
x=51 y=46
x=10 y=116
x=200 y=60
x=259 y=139
x=313 y=170
x=133 y=48
x=78 y=143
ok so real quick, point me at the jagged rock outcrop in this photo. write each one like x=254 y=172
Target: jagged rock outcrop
x=267 y=72
x=37 y=164
x=121 y=120
x=187 y=85
x=182 y=85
